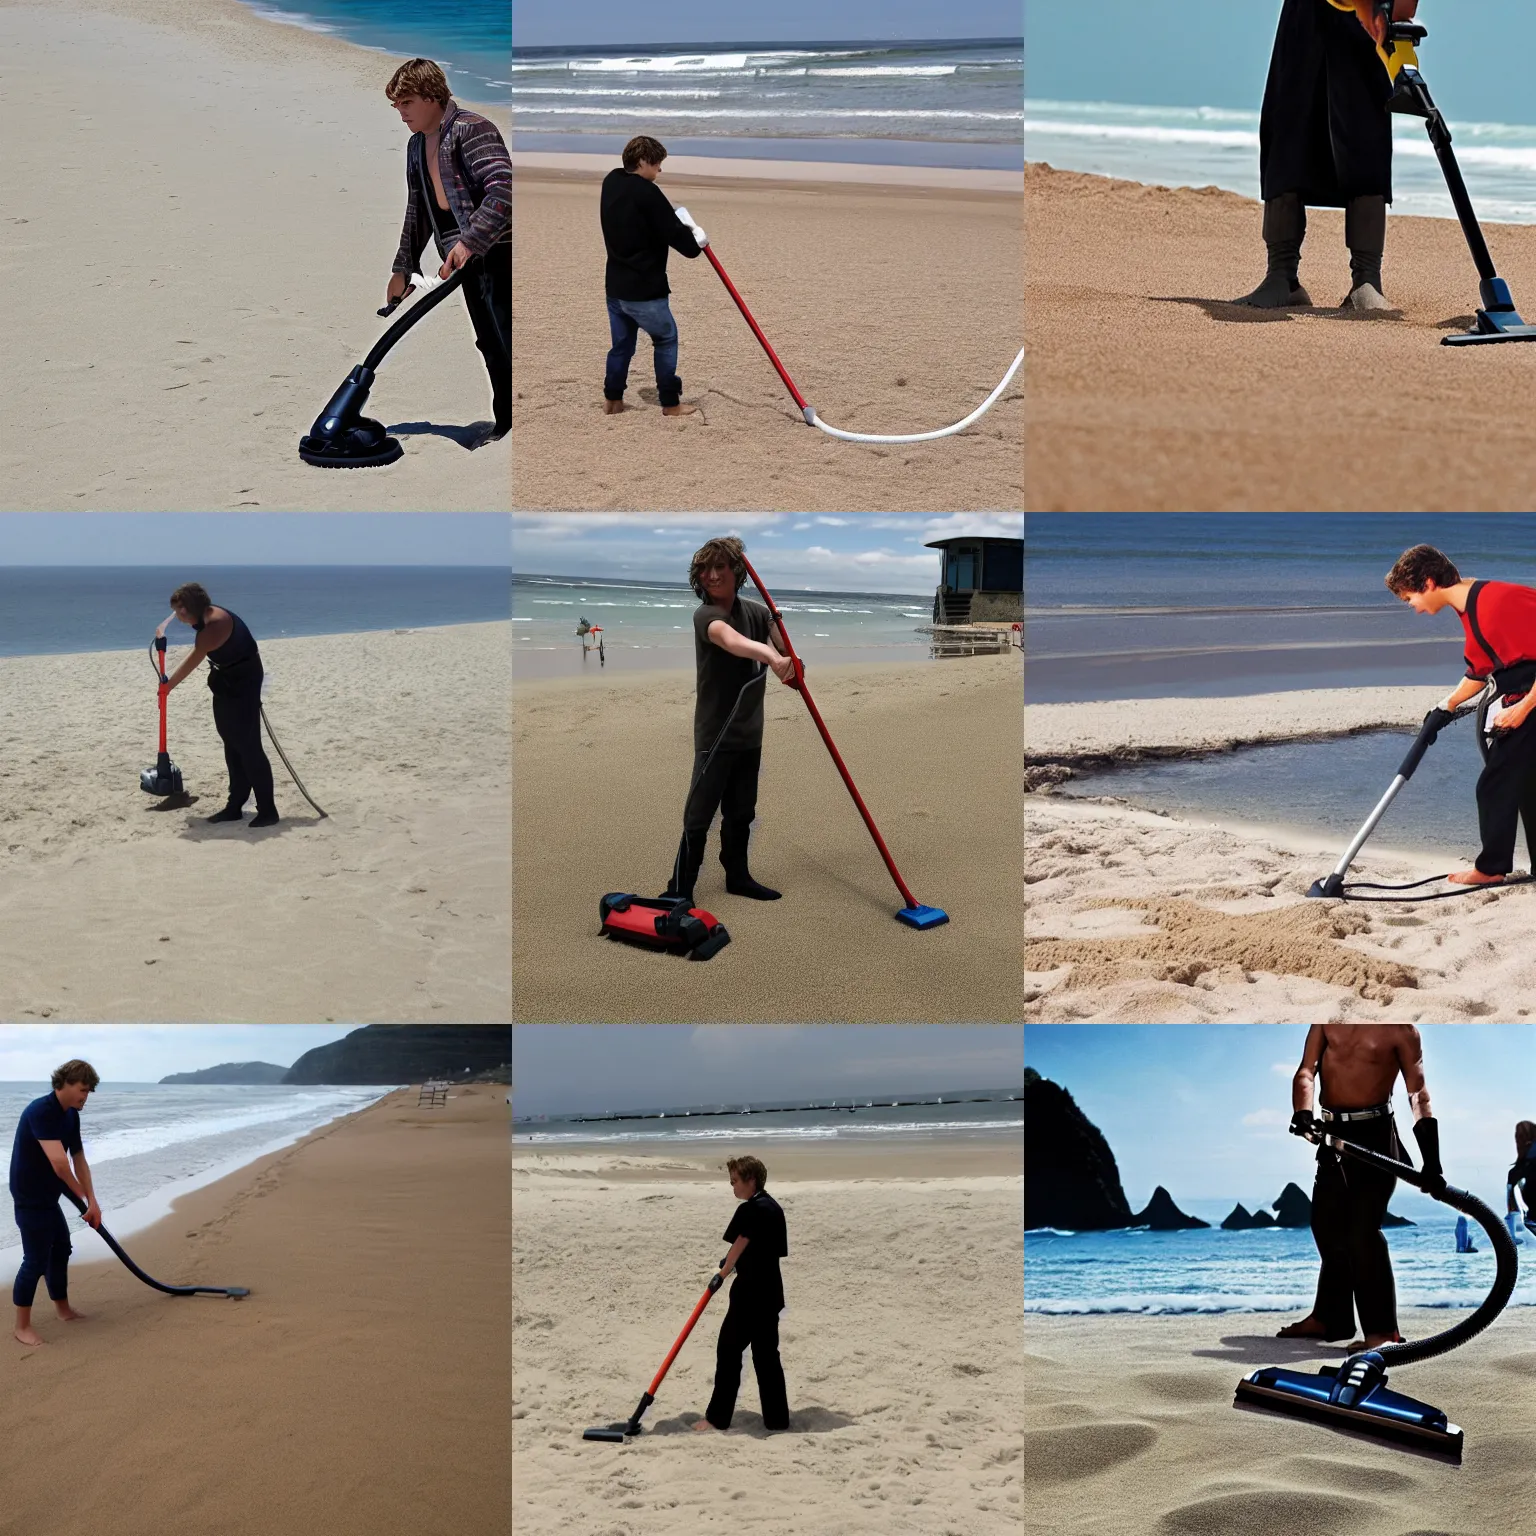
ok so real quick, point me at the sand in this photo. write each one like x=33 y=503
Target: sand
x=901 y=1347
x=1134 y=916
x=1147 y=391
x=600 y=770
x=1130 y=1431
x=395 y=908
x=196 y=245
x=895 y=307
x=362 y=1388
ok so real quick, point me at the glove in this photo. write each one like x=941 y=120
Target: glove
x=1303 y=1123
x=687 y=218
x=1427 y=1133
x=1436 y=721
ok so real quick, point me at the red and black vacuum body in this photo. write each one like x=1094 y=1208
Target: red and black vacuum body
x=164 y=779
x=662 y=922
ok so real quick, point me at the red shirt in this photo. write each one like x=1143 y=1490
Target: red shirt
x=1504 y=615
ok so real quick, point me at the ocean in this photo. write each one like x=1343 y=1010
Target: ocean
x=864 y=1118
x=148 y=1144
x=1201 y=146
x=842 y=100
x=1274 y=1270
x=53 y=610
x=471 y=39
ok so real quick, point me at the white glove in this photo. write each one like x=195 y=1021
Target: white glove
x=687 y=218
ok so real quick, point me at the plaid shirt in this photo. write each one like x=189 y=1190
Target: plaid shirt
x=476 y=169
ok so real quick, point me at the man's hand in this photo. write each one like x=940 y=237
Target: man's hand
x=398 y=283
x=783 y=669
x=91 y=1216
x=1303 y=1123
x=1427 y=1133
x=456 y=259
x=1516 y=715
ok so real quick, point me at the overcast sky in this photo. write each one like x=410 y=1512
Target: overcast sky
x=253 y=538
x=851 y=552
x=561 y=1069
x=550 y=23
x=1204 y=1109
x=144 y=1053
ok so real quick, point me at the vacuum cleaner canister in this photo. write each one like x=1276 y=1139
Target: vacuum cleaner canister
x=163 y=779
x=662 y=922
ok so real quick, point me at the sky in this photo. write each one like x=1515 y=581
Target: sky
x=253 y=538
x=562 y=1069
x=854 y=552
x=550 y=23
x=1204 y=1109
x=1215 y=53
x=144 y=1053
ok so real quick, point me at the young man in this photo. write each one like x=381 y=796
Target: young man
x=639 y=227
x=1499 y=620
x=1325 y=140
x=1522 y=1175
x=49 y=1129
x=732 y=636
x=1359 y=1064
x=758 y=1240
x=458 y=190
x=234 y=677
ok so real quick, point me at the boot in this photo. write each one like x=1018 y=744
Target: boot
x=1365 y=232
x=1285 y=227
x=685 y=869
x=733 y=855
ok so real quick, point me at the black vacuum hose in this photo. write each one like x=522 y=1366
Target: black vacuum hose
x=1498 y=1234
x=233 y=1291
x=414 y=313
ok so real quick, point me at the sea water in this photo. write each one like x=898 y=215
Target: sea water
x=149 y=1143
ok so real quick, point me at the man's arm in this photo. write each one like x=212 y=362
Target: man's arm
x=192 y=662
x=720 y=633
x=1304 y=1083
x=1410 y=1058
x=1465 y=691
x=487 y=167
x=728 y=1263
x=671 y=228
x=54 y=1152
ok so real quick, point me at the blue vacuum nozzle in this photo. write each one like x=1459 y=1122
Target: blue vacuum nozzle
x=922 y=917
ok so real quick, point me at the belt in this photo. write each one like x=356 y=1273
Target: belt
x=1375 y=1112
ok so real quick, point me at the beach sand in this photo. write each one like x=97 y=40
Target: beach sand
x=1137 y=917
x=600 y=770
x=1147 y=392
x=201 y=211
x=362 y=1388
x=901 y=1347
x=394 y=909
x=1130 y=1431
x=895 y=307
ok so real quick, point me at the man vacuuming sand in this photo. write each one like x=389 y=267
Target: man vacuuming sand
x=1499 y=621
x=47 y=1136
x=1325 y=140
x=639 y=227
x=1359 y=1064
x=458 y=192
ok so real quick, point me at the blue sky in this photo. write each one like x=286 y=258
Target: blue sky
x=144 y=1053
x=253 y=538
x=549 y=23
x=562 y=1069
x=853 y=552
x=1215 y=53
x=1204 y=1109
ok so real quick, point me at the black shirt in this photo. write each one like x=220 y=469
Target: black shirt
x=721 y=676
x=761 y=1221
x=33 y=1181
x=639 y=226
x=1523 y=1174
x=234 y=667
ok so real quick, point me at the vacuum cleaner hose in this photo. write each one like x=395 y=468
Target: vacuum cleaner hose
x=289 y=766
x=427 y=302
x=233 y=1291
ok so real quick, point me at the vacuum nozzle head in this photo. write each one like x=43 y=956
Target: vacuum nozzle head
x=1331 y=887
x=613 y=1436
x=922 y=917
x=164 y=779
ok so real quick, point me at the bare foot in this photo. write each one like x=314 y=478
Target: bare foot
x=613 y=407
x=1307 y=1328
x=1373 y=1341
x=1474 y=877
x=68 y=1314
x=678 y=410
x=704 y=1424
x=27 y=1336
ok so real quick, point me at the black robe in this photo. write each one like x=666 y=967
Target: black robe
x=1325 y=130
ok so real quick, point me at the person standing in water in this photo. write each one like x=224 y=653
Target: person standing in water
x=1359 y=1065
x=458 y=192
x=234 y=678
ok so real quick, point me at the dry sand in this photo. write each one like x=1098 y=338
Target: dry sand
x=901 y=1347
x=1130 y=1431
x=600 y=770
x=1133 y=916
x=1147 y=391
x=195 y=248
x=894 y=307
x=393 y=909
x=362 y=1388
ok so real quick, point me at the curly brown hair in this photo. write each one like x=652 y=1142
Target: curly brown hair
x=193 y=598
x=748 y=1168
x=641 y=148
x=418 y=77
x=730 y=550
x=76 y=1072
x=1419 y=566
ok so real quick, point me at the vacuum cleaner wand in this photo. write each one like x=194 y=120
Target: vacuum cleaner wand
x=616 y=1433
x=164 y=779
x=235 y=1292
x=914 y=914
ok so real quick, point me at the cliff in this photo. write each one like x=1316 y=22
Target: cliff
x=409 y=1053
x=1070 y=1177
x=232 y=1072
x=1162 y=1215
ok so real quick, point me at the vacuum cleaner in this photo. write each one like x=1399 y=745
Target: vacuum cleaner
x=234 y=1292
x=164 y=779
x=618 y=1433
x=1354 y=1396
x=1487 y=707
x=1497 y=320
x=342 y=437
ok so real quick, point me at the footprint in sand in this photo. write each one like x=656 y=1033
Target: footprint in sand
x=1081 y=1450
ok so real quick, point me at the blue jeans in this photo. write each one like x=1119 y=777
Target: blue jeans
x=45 y=1250
x=626 y=319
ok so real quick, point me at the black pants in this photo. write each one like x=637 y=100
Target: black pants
x=1348 y=1201
x=1506 y=796
x=749 y=1321
x=45 y=1251
x=488 y=297
x=728 y=785
x=238 y=719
